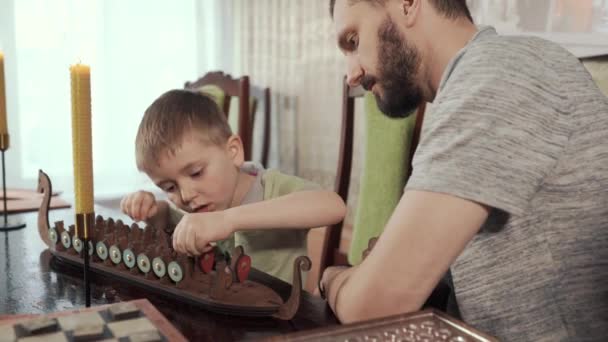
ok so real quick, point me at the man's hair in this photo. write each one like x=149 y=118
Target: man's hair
x=449 y=8
x=170 y=117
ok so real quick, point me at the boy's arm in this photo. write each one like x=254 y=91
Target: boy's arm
x=289 y=203
x=301 y=209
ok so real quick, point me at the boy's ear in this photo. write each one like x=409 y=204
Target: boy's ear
x=235 y=150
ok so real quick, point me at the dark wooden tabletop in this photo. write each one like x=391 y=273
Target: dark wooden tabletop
x=33 y=282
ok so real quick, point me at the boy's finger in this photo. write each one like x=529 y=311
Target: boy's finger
x=191 y=242
x=178 y=241
x=126 y=205
x=153 y=209
x=207 y=248
x=122 y=204
x=146 y=208
x=137 y=202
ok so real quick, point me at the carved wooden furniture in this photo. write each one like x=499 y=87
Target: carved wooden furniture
x=262 y=96
x=145 y=258
x=231 y=87
x=330 y=253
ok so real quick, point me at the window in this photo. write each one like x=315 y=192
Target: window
x=137 y=50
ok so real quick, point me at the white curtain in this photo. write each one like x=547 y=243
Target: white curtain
x=581 y=26
x=137 y=50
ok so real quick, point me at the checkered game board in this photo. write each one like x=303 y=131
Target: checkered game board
x=117 y=322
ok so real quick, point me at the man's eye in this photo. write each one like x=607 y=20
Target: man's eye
x=169 y=189
x=196 y=174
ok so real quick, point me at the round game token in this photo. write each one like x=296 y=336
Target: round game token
x=66 y=241
x=175 y=271
x=102 y=250
x=53 y=235
x=115 y=254
x=158 y=266
x=143 y=263
x=129 y=258
x=77 y=243
x=243 y=266
x=206 y=261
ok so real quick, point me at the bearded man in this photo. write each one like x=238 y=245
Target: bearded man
x=509 y=183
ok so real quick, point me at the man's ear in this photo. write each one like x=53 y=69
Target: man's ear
x=234 y=148
x=410 y=9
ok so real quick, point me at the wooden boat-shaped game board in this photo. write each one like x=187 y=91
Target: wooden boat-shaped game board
x=144 y=257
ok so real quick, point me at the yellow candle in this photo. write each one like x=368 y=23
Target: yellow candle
x=3 y=125
x=81 y=137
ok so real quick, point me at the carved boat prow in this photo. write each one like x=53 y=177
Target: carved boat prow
x=44 y=187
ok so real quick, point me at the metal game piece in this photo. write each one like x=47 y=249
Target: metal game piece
x=91 y=249
x=143 y=263
x=115 y=254
x=53 y=235
x=128 y=257
x=77 y=243
x=175 y=271
x=158 y=266
x=101 y=250
x=66 y=240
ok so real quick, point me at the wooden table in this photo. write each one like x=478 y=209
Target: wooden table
x=33 y=282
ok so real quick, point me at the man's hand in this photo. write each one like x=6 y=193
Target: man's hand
x=194 y=232
x=333 y=278
x=140 y=205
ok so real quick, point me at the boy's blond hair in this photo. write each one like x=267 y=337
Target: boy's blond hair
x=170 y=117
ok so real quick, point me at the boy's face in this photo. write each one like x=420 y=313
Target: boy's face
x=200 y=176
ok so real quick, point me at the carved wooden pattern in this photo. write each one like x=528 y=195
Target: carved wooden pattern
x=422 y=326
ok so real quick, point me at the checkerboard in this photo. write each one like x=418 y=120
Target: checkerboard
x=117 y=322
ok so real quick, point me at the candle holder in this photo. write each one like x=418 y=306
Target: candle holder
x=14 y=223
x=84 y=224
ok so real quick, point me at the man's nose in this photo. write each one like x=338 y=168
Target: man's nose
x=354 y=72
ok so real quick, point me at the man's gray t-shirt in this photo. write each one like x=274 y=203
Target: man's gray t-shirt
x=519 y=125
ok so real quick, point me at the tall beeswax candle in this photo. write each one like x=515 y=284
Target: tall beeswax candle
x=81 y=137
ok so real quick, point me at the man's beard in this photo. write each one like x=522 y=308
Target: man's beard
x=398 y=64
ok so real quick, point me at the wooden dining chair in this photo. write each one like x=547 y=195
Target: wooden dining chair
x=262 y=96
x=331 y=254
x=230 y=87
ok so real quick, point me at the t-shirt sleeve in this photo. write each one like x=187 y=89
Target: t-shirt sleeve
x=495 y=131
x=279 y=184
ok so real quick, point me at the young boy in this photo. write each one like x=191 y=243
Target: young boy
x=185 y=146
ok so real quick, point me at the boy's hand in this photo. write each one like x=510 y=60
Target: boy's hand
x=195 y=232
x=140 y=205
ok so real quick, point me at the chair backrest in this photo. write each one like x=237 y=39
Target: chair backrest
x=262 y=95
x=231 y=87
x=330 y=252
